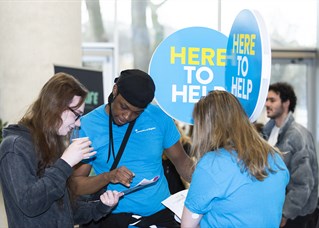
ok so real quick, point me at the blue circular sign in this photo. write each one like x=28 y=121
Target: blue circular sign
x=186 y=66
x=248 y=62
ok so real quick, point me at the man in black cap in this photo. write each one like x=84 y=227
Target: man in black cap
x=140 y=131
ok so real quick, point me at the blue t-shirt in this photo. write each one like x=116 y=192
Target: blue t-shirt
x=228 y=197
x=153 y=132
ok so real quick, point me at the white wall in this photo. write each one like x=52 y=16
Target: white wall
x=34 y=35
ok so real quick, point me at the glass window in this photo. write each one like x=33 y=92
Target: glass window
x=178 y=14
x=293 y=72
x=111 y=21
x=98 y=20
x=290 y=24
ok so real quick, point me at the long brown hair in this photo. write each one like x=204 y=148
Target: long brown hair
x=43 y=117
x=221 y=122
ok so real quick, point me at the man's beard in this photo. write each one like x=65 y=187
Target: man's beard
x=276 y=114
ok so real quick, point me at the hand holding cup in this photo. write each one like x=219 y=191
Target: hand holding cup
x=79 y=149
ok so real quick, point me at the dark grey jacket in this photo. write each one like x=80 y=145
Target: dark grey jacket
x=34 y=202
x=301 y=159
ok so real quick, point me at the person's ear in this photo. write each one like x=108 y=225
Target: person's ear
x=286 y=105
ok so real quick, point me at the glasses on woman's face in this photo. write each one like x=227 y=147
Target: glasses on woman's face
x=77 y=115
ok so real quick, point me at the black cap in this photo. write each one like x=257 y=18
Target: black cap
x=136 y=87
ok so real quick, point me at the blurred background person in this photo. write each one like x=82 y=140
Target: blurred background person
x=175 y=182
x=300 y=156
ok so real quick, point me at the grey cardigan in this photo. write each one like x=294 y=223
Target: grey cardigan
x=32 y=201
x=297 y=144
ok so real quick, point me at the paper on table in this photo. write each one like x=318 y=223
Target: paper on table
x=175 y=202
x=143 y=183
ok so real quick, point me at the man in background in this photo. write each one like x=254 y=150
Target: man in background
x=298 y=148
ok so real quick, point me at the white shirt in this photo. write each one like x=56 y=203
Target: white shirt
x=273 y=136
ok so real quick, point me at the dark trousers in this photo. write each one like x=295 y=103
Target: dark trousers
x=162 y=219
x=307 y=221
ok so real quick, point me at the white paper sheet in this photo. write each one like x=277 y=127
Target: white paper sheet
x=176 y=202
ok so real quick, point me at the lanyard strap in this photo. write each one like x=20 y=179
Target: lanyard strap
x=123 y=144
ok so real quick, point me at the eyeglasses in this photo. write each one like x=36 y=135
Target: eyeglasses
x=77 y=115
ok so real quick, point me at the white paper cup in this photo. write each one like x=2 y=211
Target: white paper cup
x=80 y=138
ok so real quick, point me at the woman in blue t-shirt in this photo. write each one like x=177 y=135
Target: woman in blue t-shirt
x=239 y=180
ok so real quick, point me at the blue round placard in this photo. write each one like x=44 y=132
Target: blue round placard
x=248 y=66
x=186 y=66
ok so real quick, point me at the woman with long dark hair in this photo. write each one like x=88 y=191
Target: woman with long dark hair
x=36 y=160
